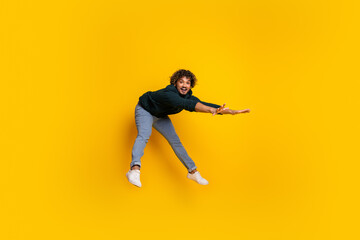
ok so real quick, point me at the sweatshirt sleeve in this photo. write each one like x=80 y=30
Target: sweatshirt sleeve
x=205 y=103
x=174 y=100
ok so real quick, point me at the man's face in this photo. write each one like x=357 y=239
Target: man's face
x=183 y=85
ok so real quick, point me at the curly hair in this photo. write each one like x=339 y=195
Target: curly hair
x=183 y=73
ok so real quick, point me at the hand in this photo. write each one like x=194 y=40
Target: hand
x=240 y=111
x=233 y=112
x=220 y=110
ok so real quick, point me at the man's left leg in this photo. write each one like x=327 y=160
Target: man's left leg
x=166 y=128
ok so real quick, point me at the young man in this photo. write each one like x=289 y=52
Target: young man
x=153 y=109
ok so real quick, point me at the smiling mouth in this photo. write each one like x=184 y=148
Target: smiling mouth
x=183 y=89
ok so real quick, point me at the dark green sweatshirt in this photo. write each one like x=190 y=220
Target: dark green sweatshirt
x=168 y=101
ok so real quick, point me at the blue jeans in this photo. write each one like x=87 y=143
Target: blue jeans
x=144 y=123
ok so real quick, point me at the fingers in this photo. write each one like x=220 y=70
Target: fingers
x=223 y=109
x=244 y=111
x=220 y=109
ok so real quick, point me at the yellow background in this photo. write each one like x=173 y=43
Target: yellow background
x=71 y=74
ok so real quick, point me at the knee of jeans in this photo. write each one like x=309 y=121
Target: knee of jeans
x=144 y=137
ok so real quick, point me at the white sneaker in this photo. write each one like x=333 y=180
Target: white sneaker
x=197 y=178
x=134 y=177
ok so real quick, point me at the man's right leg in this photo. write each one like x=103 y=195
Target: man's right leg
x=144 y=121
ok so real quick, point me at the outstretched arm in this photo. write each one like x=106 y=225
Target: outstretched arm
x=199 y=107
x=233 y=112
